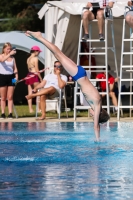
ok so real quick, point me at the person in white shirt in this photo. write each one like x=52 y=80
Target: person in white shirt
x=129 y=16
x=8 y=74
x=51 y=85
x=94 y=13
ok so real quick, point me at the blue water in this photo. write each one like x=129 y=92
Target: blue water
x=62 y=161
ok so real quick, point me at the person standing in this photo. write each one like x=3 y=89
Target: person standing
x=8 y=71
x=32 y=63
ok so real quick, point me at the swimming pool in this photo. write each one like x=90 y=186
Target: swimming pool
x=60 y=160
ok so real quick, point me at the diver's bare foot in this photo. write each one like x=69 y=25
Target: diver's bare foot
x=28 y=97
x=36 y=35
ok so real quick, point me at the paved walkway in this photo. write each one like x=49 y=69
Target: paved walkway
x=71 y=119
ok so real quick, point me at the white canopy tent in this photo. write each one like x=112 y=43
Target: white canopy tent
x=62 y=22
x=74 y=7
x=21 y=42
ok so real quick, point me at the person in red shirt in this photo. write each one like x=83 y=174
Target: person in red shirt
x=111 y=82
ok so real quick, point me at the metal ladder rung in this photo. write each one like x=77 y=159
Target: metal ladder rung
x=96 y=53
x=97 y=80
x=127 y=66
x=126 y=106
x=97 y=71
x=126 y=93
x=127 y=53
x=126 y=79
x=94 y=48
x=93 y=40
x=126 y=40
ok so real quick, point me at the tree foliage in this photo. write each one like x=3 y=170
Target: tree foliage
x=21 y=15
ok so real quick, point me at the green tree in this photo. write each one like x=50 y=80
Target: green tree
x=21 y=15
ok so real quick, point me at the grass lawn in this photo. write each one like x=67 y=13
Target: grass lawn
x=23 y=111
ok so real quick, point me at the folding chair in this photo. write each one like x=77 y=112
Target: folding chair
x=55 y=103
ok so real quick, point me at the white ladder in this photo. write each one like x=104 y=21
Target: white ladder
x=104 y=53
x=126 y=69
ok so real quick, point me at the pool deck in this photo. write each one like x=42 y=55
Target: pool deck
x=70 y=119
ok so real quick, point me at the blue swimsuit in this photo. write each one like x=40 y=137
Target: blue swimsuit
x=81 y=73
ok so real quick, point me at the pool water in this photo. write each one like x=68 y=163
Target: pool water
x=61 y=161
